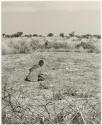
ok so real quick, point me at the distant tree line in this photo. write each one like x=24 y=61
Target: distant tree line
x=72 y=34
x=18 y=34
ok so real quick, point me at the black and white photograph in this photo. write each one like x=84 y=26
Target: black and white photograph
x=51 y=62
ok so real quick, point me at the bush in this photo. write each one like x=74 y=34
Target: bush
x=50 y=35
x=89 y=46
x=72 y=34
x=19 y=47
x=35 y=35
x=35 y=44
x=85 y=45
x=61 y=34
x=58 y=45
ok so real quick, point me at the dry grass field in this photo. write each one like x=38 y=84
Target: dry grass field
x=73 y=88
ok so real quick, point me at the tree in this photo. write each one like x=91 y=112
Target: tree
x=61 y=34
x=72 y=34
x=35 y=35
x=3 y=34
x=50 y=34
x=97 y=36
x=19 y=34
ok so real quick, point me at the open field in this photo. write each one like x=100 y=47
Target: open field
x=73 y=94
x=51 y=62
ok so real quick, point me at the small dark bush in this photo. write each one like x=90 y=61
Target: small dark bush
x=50 y=35
x=85 y=45
x=61 y=34
x=72 y=34
x=35 y=35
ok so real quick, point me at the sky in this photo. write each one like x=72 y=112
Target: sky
x=43 y=17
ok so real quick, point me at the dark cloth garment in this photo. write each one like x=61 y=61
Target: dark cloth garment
x=27 y=79
x=41 y=77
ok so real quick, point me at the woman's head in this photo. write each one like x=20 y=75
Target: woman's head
x=41 y=63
